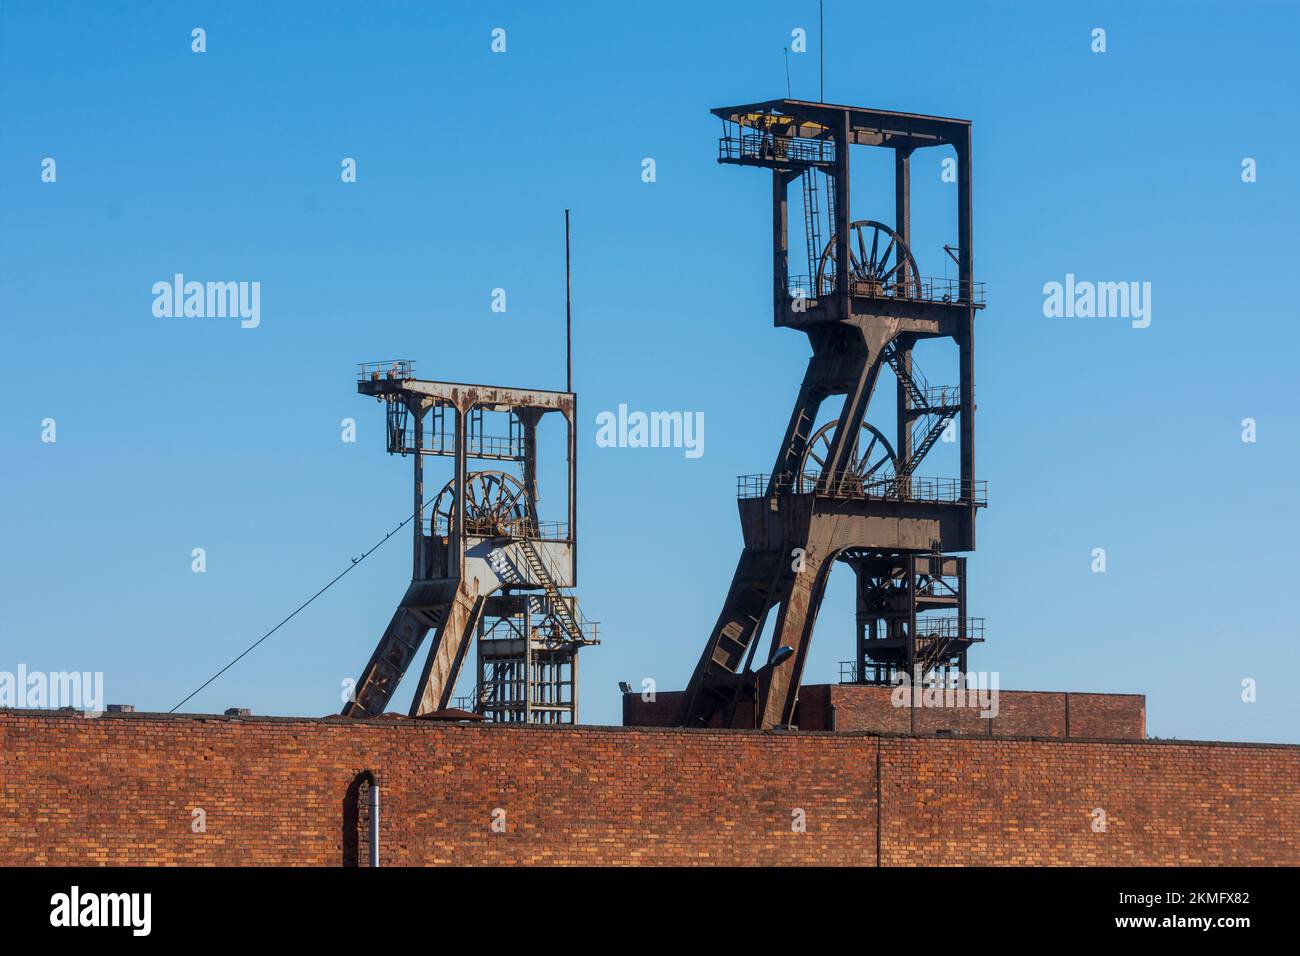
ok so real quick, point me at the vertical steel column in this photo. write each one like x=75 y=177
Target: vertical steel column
x=860 y=577
x=572 y=421
x=417 y=525
x=573 y=687
x=780 y=242
x=903 y=205
x=528 y=418
x=903 y=226
x=528 y=664
x=961 y=610
x=909 y=564
x=480 y=664
x=457 y=529
x=842 y=216
x=967 y=340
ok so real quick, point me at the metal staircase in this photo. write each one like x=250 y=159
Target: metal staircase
x=561 y=607
x=937 y=649
x=934 y=408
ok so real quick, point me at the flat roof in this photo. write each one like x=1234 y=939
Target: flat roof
x=891 y=127
x=464 y=393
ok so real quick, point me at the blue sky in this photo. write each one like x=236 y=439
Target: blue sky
x=182 y=433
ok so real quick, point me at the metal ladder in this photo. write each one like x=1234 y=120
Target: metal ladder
x=812 y=223
x=793 y=454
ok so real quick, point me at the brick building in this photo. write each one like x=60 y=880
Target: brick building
x=131 y=788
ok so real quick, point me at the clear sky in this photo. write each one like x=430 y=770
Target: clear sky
x=176 y=433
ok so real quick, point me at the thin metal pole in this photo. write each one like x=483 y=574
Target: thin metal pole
x=568 y=311
x=821 y=52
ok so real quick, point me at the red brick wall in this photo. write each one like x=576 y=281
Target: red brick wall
x=1012 y=802
x=1036 y=714
x=867 y=708
x=814 y=708
x=1100 y=715
x=121 y=790
x=858 y=707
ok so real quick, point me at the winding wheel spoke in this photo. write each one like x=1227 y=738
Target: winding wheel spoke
x=862 y=469
x=870 y=266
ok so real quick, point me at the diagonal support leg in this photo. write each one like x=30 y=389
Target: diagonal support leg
x=418 y=613
x=778 y=691
x=450 y=644
x=755 y=589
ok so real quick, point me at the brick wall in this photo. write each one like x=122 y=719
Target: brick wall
x=861 y=708
x=122 y=790
x=1101 y=715
x=1040 y=713
x=1011 y=802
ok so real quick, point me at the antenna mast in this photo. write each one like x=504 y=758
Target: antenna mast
x=568 y=312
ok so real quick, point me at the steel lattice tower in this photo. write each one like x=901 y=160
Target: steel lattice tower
x=485 y=570
x=845 y=492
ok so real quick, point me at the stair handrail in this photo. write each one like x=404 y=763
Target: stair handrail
x=562 y=604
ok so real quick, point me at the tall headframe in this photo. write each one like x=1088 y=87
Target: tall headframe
x=483 y=565
x=845 y=491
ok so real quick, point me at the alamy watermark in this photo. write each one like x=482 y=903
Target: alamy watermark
x=1102 y=300
x=651 y=430
x=209 y=300
x=973 y=689
x=82 y=690
x=130 y=910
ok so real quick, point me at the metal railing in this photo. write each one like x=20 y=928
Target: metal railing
x=393 y=369
x=942 y=396
x=949 y=628
x=876 y=675
x=439 y=525
x=915 y=289
x=852 y=486
x=765 y=147
x=587 y=628
x=505 y=693
x=509 y=704
x=468 y=703
x=498 y=446
x=929 y=631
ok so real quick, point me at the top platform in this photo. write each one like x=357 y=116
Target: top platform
x=397 y=377
x=867 y=127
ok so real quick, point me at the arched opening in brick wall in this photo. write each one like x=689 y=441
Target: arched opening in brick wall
x=356 y=820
